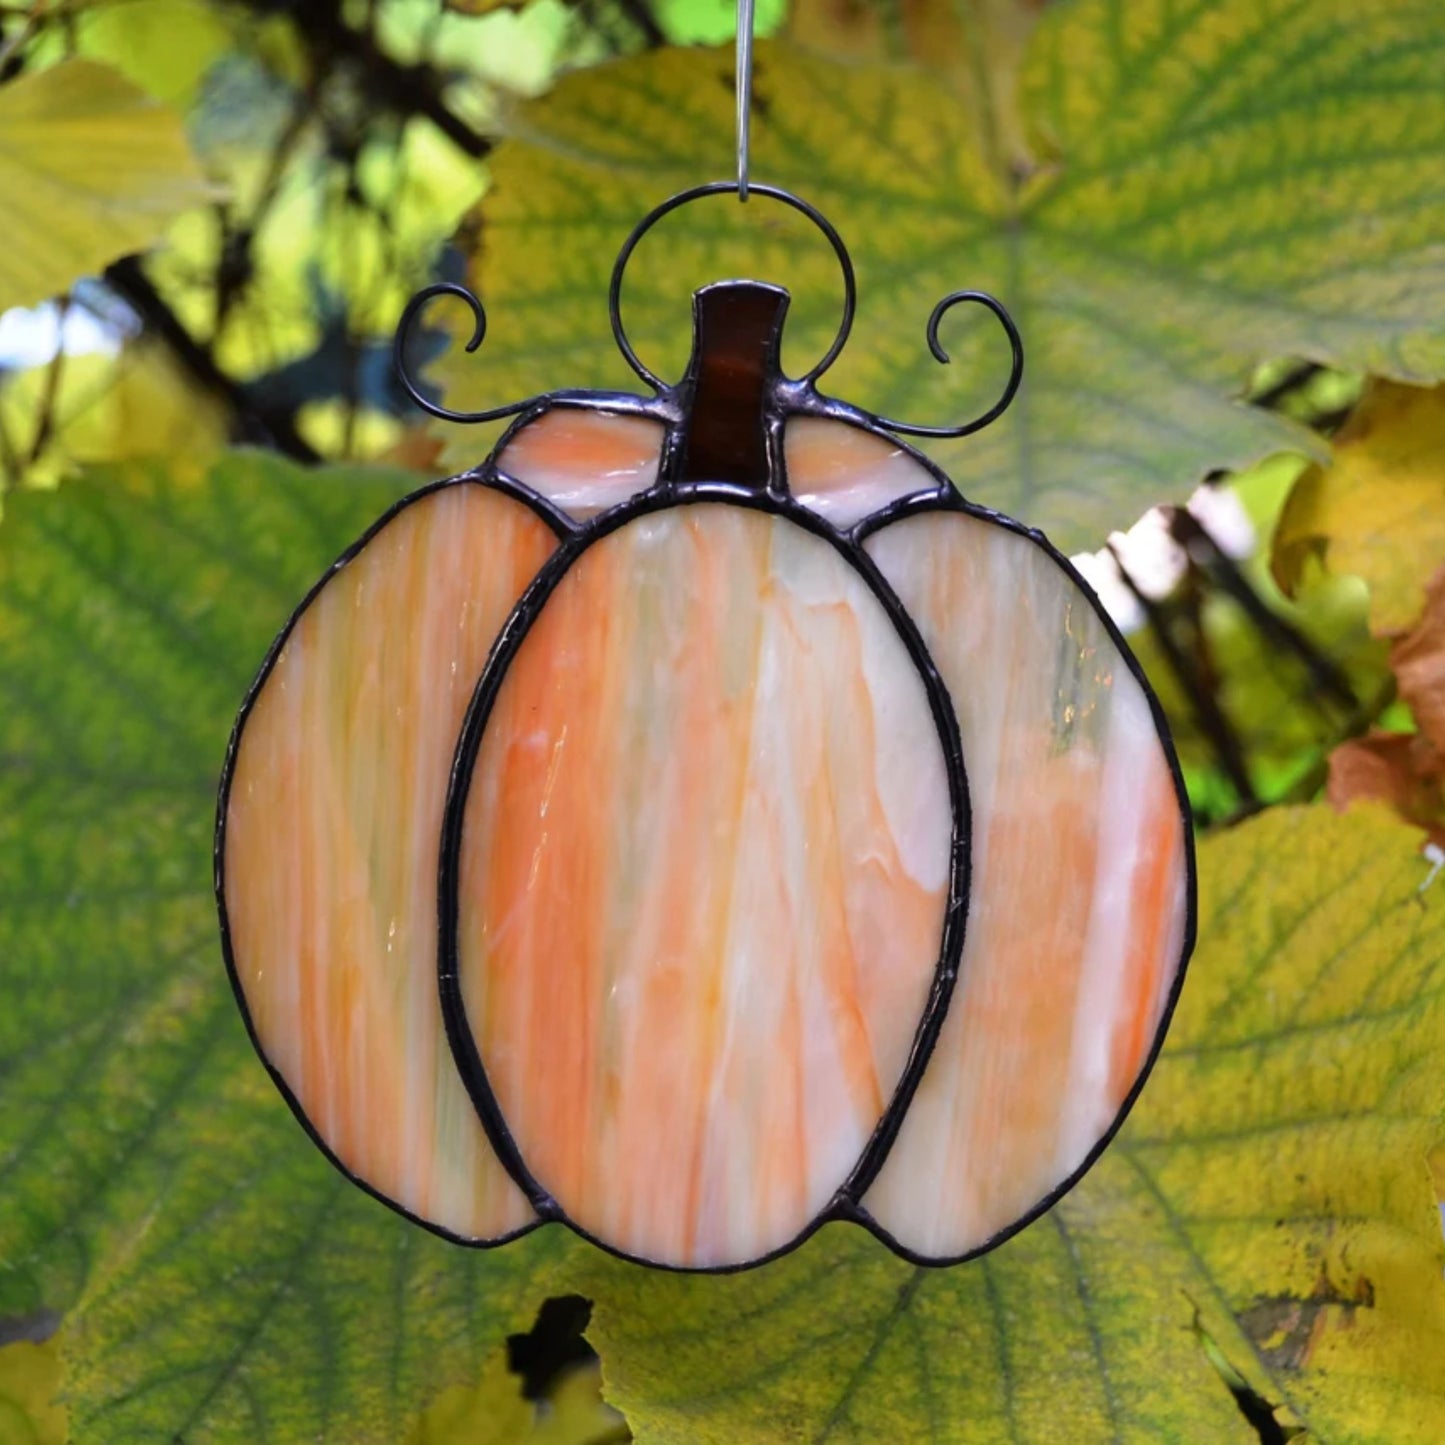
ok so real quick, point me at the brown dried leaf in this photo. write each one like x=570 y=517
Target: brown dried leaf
x=1402 y=770
x=1418 y=662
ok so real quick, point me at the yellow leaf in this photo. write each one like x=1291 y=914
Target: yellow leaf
x=1269 y=1195
x=493 y=1412
x=976 y=44
x=114 y=409
x=1377 y=510
x=29 y=1383
x=91 y=168
x=1208 y=184
x=164 y=46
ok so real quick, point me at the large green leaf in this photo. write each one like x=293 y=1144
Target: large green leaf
x=1213 y=183
x=235 y=1287
x=1269 y=1200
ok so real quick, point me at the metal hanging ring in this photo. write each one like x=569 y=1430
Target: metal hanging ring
x=1016 y=370
x=404 y=328
x=719 y=188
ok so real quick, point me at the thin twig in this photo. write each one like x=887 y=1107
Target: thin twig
x=1326 y=676
x=1210 y=716
x=45 y=424
x=271 y=425
x=8 y=458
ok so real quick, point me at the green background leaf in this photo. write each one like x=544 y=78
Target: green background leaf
x=234 y=1286
x=1211 y=185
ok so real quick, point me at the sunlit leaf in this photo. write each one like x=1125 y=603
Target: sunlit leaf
x=29 y=1382
x=135 y=405
x=91 y=168
x=1210 y=186
x=1269 y=1194
x=1377 y=511
x=164 y=46
x=493 y=1412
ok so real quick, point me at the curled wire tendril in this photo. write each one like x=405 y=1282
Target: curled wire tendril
x=1016 y=367
x=410 y=316
x=404 y=329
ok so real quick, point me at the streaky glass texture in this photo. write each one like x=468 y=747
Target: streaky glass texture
x=584 y=461
x=1078 y=906
x=844 y=473
x=332 y=838
x=704 y=864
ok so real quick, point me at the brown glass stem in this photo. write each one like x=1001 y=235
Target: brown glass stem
x=737 y=328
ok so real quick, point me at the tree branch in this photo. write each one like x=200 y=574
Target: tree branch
x=254 y=421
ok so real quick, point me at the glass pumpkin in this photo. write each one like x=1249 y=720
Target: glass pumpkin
x=699 y=823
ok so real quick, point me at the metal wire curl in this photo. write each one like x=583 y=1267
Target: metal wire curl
x=1016 y=368
x=404 y=327
x=722 y=188
x=414 y=307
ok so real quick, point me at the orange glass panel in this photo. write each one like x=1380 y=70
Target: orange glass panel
x=703 y=872
x=844 y=473
x=1077 y=913
x=332 y=838
x=584 y=461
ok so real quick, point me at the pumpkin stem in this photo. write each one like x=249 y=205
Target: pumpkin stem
x=737 y=329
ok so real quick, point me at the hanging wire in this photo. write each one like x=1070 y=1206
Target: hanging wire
x=744 y=85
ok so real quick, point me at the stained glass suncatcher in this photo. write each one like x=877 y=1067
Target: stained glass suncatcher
x=699 y=822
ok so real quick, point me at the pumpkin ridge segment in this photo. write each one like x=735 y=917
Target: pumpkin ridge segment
x=273 y=930
x=1105 y=765
x=701 y=507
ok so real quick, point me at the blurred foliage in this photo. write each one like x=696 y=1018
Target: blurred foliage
x=1218 y=227
x=493 y=1413
x=1289 y=678
x=341 y=143
x=1377 y=511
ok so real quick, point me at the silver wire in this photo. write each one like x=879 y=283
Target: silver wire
x=745 y=91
